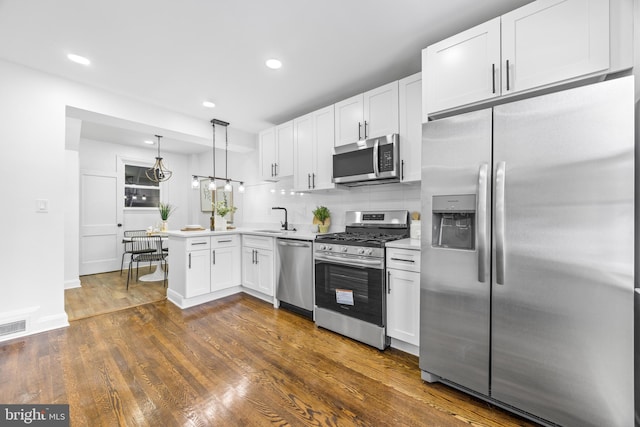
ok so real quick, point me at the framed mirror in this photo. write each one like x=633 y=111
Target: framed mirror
x=206 y=196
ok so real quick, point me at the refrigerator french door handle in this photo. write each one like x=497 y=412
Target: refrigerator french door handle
x=500 y=218
x=482 y=222
x=376 y=147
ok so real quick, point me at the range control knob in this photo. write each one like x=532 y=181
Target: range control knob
x=361 y=251
x=344 y=249
x=369 y=251
x=329 y=248
x=322 y=247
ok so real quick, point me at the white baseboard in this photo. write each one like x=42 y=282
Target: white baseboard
x=73 y=283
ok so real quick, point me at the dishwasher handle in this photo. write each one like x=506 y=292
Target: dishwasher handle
x=293 y=244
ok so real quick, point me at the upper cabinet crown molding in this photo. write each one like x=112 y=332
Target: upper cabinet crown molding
x=540 y=45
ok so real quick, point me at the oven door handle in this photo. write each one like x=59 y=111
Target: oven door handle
x=362 y=263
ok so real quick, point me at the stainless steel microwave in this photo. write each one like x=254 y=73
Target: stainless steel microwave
x=372 y=161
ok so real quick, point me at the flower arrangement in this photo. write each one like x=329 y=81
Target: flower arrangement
x=165 y=210
x=222 y=208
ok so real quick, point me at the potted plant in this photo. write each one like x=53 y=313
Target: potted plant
x=321 y=216
x=221 y=209
x=165 y=211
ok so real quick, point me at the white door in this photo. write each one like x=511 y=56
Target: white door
x=462 y=69
x=403 y=306
x=100 y=223
x=198 y=273
x=381 y=111
x=549 y=41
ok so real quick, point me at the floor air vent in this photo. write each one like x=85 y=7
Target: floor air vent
x=13 y=327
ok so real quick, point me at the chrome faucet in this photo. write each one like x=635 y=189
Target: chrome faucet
x=285 y=224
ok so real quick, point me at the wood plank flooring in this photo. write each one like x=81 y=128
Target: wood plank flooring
x=232 y=362
x=107 y=292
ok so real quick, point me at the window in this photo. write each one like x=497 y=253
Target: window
x=139 y=191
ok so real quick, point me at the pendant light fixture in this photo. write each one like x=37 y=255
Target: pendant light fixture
x=159 y=171
x=195 y=182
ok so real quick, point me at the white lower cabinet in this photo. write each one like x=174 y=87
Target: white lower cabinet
x=225 y=262
x=258 y=262
x=403 y=295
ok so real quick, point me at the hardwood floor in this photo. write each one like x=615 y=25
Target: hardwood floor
x=107 y=292
x=232 y=362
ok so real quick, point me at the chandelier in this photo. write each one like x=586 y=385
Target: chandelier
x=195 y=183
x=158 y=171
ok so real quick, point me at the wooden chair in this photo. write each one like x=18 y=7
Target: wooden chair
x=147 y=249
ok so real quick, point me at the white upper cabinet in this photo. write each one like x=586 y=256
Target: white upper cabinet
x=276 y=152
x=462 y=69
x=313 y=145
x=368 y=115
x=554 y=40
x=543 y=43
x=410 y=94
x=349 y=120
x=267 y=141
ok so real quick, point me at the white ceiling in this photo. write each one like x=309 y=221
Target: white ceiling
x=176 y=54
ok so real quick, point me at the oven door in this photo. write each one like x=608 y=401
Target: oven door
x=352 y=288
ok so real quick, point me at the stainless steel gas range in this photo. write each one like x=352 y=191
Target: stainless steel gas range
x=350 y=285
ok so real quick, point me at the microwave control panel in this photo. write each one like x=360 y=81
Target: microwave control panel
x=385 y=161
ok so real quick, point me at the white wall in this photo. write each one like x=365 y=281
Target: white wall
x=32 y=138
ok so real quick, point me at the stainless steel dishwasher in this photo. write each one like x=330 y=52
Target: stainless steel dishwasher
x=295 y=275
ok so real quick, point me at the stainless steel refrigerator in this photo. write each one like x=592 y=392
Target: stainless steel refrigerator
x=527 y=275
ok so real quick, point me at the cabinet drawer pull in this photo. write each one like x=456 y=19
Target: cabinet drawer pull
x=224 y=241
x=198 y=243
x=400 y=259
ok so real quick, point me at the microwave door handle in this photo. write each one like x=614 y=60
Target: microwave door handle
x=376 y=146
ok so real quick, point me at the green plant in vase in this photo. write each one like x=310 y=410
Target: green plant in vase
x=165 y=211
x=321 y=216
x=222 y=208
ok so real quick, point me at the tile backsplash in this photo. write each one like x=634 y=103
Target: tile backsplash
x=254 y=206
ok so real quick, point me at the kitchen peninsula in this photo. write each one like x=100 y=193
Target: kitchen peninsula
x=208 y=265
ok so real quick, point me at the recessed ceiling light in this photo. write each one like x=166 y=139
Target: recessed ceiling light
x=274 y=64
x=78 y=59
x=148 y=141
x=208 y=104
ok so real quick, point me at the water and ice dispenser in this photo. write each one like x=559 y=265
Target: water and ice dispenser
x=454 y=221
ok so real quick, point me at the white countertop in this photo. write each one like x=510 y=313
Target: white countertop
x=405 y=244
x=298 y=235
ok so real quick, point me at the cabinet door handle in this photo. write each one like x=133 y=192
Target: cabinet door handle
x=271 y=169
x=308 y=180
x=213 y=257
x=508 y=86
x=275 y=168
x=189 y=261
x=493 y=78
x=402 y=170
x=359 y=126
x=313 y=180
x=388 y=282
x=257 y=257
x=365 y=129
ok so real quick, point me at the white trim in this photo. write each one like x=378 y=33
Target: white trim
x=73 y=283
